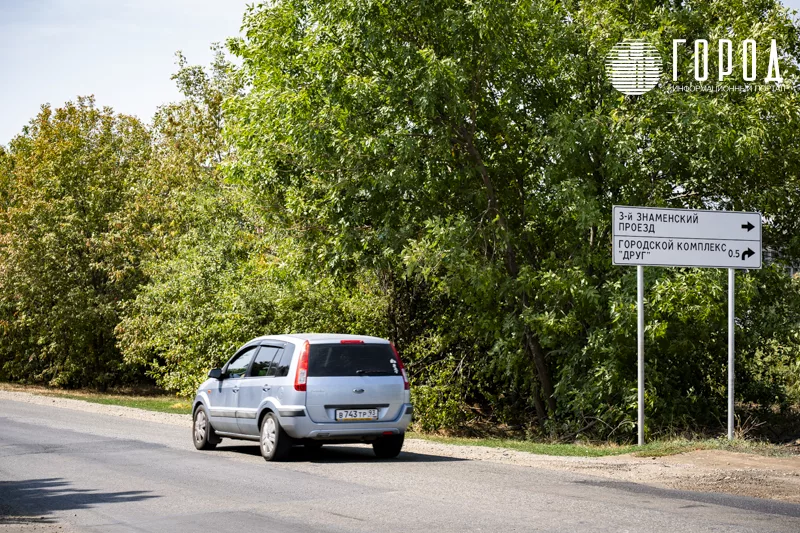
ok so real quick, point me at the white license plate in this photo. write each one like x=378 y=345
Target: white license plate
x=356 y=415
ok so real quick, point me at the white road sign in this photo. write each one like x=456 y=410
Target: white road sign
x=654 y=236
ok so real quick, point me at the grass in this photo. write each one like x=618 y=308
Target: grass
x=162 y=403
x=170 y=404
x=658 y=448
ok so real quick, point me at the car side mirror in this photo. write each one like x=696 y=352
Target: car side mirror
x=215 y=373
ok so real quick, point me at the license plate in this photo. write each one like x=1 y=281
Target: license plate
x=356 y=415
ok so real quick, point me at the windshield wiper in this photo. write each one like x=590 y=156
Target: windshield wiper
x=372 y=372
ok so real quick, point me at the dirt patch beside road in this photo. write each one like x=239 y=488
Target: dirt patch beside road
x=777 y=478
x=26 y=524
x=10 y=522
x=113 y=410
x=742 y=474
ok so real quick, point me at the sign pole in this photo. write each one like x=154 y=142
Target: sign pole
x=731 y=347
x=640 y=345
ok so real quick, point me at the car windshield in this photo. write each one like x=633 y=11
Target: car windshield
x=327 y=360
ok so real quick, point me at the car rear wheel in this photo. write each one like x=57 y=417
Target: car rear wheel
x=275 y=442
x=204 y=436
x=388 y=447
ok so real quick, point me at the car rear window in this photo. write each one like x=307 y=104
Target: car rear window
x=327 y=360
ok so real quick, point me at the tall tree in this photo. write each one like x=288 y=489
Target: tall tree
x=477 y=147
x=220 y=271
x=62 y=275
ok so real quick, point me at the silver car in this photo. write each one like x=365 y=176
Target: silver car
x=308 y=389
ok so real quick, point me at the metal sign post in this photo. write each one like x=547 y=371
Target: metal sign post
x=651 y=236
x=731 y=347
x=640 y=347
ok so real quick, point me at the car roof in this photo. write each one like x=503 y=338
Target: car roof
x=323 y=338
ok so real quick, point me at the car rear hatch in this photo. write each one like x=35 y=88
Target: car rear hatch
x=354 y=382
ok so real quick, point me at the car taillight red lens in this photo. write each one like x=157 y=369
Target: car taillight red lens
x=351 y=341
x=402 y=368
x=302 y=369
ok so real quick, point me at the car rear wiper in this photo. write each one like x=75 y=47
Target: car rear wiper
x=373 y=372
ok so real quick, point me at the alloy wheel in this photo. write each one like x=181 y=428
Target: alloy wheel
x=200 y=426
x=268 y=436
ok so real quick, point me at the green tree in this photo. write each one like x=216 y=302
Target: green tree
x=220 y=270
x=63 y=275
x=475 y=149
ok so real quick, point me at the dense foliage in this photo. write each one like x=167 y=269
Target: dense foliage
x=64 y=271
x=440 y=173
x=473 y=152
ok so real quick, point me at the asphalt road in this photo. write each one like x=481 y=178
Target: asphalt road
x=94 y=472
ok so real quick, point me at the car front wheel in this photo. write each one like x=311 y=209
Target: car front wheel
x=204 y=436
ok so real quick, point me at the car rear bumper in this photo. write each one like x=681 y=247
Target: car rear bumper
x=302 y=427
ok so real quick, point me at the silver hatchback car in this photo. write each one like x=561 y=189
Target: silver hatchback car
x=308 y=389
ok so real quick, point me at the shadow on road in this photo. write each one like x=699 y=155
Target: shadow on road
x=33 y=500
x=332 y=453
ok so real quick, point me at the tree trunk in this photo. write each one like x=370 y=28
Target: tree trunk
x=537 y=354
x=541 y=412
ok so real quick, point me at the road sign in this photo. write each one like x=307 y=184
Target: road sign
x=654 y=236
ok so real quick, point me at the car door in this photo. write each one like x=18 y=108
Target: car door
x=256 y=386
x=223 y=407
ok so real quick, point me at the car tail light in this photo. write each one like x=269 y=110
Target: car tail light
x=406 y=384
x=302 y=369
x=351 y=341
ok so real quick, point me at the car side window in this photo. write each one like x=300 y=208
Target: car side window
x=238 y=366
x=261 y=365
x=282 y=365
x=273 y=369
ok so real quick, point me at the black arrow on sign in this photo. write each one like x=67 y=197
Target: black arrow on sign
x=748 y=226
x=747 y=253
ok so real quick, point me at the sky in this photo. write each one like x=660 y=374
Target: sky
x=121 y=51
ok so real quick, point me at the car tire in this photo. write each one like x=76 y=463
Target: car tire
x=388 y=447
x=274 y=442
x=203 y=435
